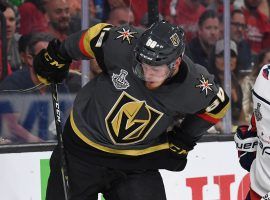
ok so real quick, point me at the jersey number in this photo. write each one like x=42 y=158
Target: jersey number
x=101 y=37
x=220 y=99
x=151 y=43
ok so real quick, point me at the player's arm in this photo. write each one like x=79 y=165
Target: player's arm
x=86 y=44
x=246 y=143
x=52 y=64
x=195 y=125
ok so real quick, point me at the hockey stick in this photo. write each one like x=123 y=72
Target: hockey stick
x=57 y=119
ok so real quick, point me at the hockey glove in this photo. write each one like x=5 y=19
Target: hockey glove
x=246 y=143
x=177 y=143
x=50 y=66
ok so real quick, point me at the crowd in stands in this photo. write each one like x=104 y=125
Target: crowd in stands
x=30 y=24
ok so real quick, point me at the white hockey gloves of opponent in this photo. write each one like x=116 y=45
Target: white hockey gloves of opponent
x=246 y=143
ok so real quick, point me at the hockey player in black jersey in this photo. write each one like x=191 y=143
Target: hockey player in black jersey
x=117 y=135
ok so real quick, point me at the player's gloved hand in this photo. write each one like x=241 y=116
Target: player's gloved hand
x=178 y=143
x=246 y=143
x=50 y=66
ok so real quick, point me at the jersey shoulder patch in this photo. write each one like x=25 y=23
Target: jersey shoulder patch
x=203 y=81
x=125 y=34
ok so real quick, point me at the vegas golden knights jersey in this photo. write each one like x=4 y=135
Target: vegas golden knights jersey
x=116 y=117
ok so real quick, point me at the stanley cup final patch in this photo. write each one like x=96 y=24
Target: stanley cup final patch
x=119 y=80
x=258 y=113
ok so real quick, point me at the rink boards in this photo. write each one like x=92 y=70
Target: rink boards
x=212 y=173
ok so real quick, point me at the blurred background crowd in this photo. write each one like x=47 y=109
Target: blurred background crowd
x=26 y=113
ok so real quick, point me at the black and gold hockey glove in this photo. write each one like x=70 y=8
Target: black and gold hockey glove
x=178 y=143
x=50 y=66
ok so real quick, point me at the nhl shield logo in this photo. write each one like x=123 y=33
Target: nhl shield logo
x=175 y=40
x=119 y=80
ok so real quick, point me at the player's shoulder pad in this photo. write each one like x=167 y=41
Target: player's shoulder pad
x=125 y=34
x=217 y=100
x=201 y=80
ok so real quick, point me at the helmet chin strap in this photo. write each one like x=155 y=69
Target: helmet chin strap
x=172 y=68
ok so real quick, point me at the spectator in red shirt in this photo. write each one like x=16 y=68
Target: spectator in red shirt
x=258 y=26
x=120 y=15
x=59 y=16
x=140 y=7
x=32 y=17
x=218 y=6
x=187 y=13
x=76 y=15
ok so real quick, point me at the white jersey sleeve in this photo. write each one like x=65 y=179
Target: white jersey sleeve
x=260 y=169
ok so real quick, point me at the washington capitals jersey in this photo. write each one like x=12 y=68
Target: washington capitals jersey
x=260 y=168
x=116 y=114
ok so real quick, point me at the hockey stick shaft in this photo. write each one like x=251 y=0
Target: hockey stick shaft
x=57 y=118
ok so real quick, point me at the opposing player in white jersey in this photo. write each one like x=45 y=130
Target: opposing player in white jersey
x=253 y=142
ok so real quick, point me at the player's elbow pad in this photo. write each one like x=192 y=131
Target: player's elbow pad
x=178 y=142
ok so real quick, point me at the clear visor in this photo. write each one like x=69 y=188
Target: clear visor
x=151 y=73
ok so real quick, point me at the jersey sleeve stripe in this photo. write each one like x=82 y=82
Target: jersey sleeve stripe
x=206 y=117
x=214 y=118
x=82 y=46
x=88 y=36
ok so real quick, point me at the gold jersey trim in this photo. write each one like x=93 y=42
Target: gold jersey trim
x=128 y=152
x=221 y=113
x=91 y=33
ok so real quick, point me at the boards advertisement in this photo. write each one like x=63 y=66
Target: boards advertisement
x=212 y=173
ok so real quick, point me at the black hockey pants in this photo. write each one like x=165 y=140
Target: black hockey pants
x=87 y=180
